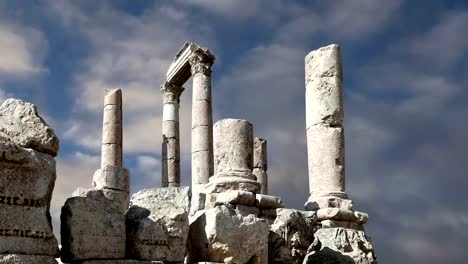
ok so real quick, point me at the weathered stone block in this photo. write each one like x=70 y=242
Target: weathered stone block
x=340 y=245
x=263 y=201
x=328 y=202
x=27 y=179
x=158 y=225
x=290 y=236
x=118 y=261
x=341 y=215
x=26 y=259
x=230 y=197
x=92 y=227
x=21 y=124
x=222 y=235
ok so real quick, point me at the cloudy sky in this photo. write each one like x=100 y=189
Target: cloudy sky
x=405 y=81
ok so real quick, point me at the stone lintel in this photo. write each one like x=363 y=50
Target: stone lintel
x=179 y=70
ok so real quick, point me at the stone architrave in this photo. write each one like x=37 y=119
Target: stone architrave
x=201 y=61
x=324 y=122
x=260 y=163
x=92 y=227
x=233 y=154
x=27 y=179
x=157 y=224
x=21 y=124
x=171 y=141
x=111 y=153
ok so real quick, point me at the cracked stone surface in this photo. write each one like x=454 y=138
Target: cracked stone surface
x=21 y=124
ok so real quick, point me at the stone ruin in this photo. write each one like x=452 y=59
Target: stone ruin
x=226 y=216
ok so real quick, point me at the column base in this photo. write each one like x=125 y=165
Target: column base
x=331 y=200
x=225 y=182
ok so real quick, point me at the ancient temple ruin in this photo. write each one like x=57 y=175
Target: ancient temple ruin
x=227 y=215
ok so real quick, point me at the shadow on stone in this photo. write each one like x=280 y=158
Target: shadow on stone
x=328 y=256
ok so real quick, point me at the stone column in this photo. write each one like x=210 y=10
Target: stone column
x=111 y=153
x=201 y=61
x=260 y=163
x=170 y=131
x=324 y=121
x=233 y=157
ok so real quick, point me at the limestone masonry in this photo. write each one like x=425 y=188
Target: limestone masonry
x=227 y=215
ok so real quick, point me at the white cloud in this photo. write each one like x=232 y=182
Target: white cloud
x=22 y=50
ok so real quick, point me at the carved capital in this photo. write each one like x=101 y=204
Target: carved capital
x=171 y=92
x=201 y=61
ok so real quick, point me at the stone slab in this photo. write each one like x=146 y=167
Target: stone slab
x=222 y=235
x=230 y=197
x=92 y=227
x=341 y=245
x=328 y=202
x=342 y=215
x=26 y=259
x=27 y=179
x=158 y=225
x=264 y=201
x=21 y=124
x=118 y=261
x=291 y=234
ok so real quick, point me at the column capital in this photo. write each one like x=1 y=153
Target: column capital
x=171 y=92
x=201 y=61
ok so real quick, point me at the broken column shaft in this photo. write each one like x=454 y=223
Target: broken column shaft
x=112 y=129
x=260 y=163
x=324 y=121
x=171 y=140
x=202 y=120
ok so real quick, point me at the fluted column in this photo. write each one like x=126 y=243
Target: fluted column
x=171 y=141
x=111 y=153
x=201 y=61
x=260 y=163
x=324 y=121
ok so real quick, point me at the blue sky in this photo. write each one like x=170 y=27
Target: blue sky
x=405 y=78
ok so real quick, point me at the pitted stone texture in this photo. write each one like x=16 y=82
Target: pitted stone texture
x=233 y=146
x=26 y=259
x=222 y=235
x=158 y=225
x=290 y=236
x=264 y=201
x=342 y=215
x=92 y=227
x=112 y=177
x=27 y=179
x=340 y=245
x=344 y=224
x=118 y=261
x=21 y=124
x=260 y=153
x=325 y=151
x=230 y=197
x=324 y=94
x=328 y=202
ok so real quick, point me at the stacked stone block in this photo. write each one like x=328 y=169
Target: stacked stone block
x=27 y=177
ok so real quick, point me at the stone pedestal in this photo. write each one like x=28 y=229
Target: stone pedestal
x=233 y=153
x=170 y=130
x=157 y=224
x=201 y=61
x=260 y=163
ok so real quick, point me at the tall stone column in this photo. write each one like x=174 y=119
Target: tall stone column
x=324 y=121
x=260 y=163
x=170 y=131
x=111 y=153
x=201 y=61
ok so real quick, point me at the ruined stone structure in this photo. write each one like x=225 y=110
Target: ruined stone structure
x=226 y=216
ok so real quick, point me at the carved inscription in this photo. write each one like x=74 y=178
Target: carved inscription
x=7 y=232
x=11 y=200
